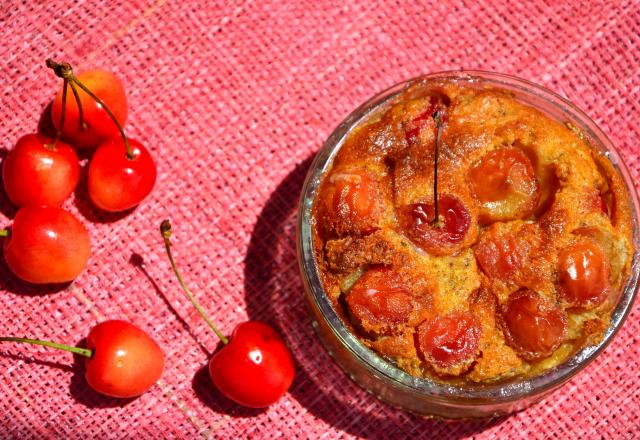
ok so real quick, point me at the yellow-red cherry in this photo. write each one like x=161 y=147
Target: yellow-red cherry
x=97 y=126
x=122 y=360
x=46 y=245
x=119 y=181
x=40 y=171
x=126 y=361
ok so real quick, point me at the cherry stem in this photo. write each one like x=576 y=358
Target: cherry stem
x=76 y=95
x=77 y=350
x=4 y=232
x=165 y=230
x=63 y=112
x=63 y=70
x=438 y=118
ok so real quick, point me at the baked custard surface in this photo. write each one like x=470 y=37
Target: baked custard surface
x=523 y=265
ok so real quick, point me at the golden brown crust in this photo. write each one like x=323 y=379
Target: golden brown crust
x=576 y=194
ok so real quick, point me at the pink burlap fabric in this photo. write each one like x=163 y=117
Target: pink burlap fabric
x=233 y=99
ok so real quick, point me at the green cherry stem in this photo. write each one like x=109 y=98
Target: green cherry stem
x=165 y=230
x=4 y=233
x=76 y=95
x=438 y=118
x=63 y=112
x=64 y=70
x=77 y=350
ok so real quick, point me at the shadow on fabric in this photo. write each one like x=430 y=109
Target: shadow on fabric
x=274 y=294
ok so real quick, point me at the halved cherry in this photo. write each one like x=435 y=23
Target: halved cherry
x=424 y=119
x=379 y=301
x=498 y=256
x=583 y=274
x=505 y=184
x=352 y=200
x=443 y=237
x=533 y=325
x=449 y=343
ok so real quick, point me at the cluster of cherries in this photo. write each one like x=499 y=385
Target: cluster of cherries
x=505 y=186
x=47 y=244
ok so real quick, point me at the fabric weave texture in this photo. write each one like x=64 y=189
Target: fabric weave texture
x=233 y=99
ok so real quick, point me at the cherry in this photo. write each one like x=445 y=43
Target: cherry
x=122 y=360
x=117 y=182
x=449 y=343
x=499 y=256
x=533 y=325
x=380 y=302
x=255 y=367
x=441 y=237
x=505 y=184
x=88 y=123
x=351 y=201
x=46 y=245
x=40 y=171
x=583 y=274
x=121 y=172
x=425 y=119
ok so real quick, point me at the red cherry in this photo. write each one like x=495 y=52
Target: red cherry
x=126 y=361
x=122 y=360
x=505 y=184
x=425 y=118
x=97 y=124
x=442 y=238
x=499 y=256
x=533 y=325
x=583 y=274
x=380 y=302
x=255 y=368
x=450 y=342
x=351 y=201
x=47 y=245
x=40 y=172
x=116 y=182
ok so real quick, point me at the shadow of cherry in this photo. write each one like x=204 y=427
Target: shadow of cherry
x=209 y=395
x=84 y=394
x=31 y=360
x=7 y=208
x=137 y=261
x=274 y=293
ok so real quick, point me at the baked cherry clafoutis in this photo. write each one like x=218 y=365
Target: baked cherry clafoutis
x=525 y=261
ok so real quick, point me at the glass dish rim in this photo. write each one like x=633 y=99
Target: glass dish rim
x=496 y=392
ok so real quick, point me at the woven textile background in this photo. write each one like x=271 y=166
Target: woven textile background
x=233 y=99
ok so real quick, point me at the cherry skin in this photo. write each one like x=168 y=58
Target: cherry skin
x=98 y=126
x=499 y=257
x=505 y=185
x=39 y=172
x=126 y=361
x=47 y=245
x=450 y=342
x=117 y=183
x=583 y=274
x=255 y=368
x=438 y=239
x=351 y=201
x=533 y=325
x=381 y=303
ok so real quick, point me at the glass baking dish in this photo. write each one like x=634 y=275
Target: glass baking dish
x=381 y=377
